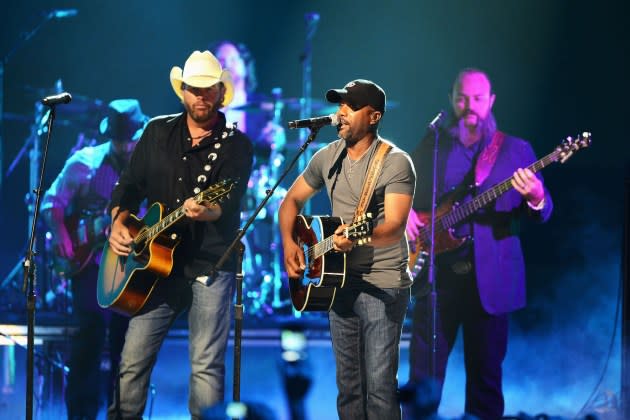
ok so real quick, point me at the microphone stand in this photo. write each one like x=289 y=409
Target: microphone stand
x=431 y=256
x=312 y=20
x=237 y=244
x=26 y=36
x=29 y=277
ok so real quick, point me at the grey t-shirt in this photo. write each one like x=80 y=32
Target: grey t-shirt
x=384 y=267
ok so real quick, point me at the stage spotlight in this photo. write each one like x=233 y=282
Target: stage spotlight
x=295 y=368
x=238 y=410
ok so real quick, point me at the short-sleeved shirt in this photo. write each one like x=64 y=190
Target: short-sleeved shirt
x=384 y=267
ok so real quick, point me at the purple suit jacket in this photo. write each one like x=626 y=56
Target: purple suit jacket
x=498 y=257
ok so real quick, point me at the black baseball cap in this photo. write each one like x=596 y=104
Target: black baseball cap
x=358 y=94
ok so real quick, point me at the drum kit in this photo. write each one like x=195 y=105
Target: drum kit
x=264 y=289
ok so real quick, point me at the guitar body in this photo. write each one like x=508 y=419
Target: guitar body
x=88 y=233
x=444 y=239
x=326 y=272
x=125 y=283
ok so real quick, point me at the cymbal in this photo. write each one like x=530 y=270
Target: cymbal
x=11 y=116
x=256 y=106
x=82 y=107
x=80 y=104
x=291 y=104
x=318 y=106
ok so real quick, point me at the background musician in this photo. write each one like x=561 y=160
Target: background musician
x=482 y=281
x=260 y=116
x=75 y=210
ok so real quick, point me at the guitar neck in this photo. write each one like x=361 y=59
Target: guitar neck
x=462 y=212
x=211 y=195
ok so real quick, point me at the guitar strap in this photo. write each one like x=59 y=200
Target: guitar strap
x=374 y=170
x=488 y=157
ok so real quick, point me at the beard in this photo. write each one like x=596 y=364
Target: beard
x=203 y=114
x=484 y=129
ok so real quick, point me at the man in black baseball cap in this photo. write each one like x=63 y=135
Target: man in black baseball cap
x=359 y=93
x=366 y=313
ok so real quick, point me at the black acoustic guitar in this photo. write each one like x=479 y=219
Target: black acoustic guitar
x=325 y=270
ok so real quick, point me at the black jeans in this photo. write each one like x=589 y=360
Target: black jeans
x=87 y=388
x=484 y=335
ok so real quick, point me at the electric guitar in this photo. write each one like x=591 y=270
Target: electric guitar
x=450 y=212
x=326 y=270
x=88 y=232
x=125 y=283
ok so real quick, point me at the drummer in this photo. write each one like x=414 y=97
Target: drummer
x=260 y=117
x=255 y=114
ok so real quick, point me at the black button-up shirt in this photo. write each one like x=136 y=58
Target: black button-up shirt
x=166 y=169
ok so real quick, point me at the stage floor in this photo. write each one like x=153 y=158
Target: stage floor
x=535 y=384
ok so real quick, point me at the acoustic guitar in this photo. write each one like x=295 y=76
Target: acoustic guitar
x=450 y=211
x=125 y=283
x=325 y=270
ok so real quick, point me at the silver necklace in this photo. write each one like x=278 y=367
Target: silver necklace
x=352 y=163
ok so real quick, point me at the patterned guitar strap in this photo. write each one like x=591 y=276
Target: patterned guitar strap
x=488 y=157
x=374 y=170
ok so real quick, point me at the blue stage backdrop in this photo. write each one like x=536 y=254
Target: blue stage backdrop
x=558 y=68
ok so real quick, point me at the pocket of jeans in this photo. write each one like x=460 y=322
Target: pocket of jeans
x=394 y=294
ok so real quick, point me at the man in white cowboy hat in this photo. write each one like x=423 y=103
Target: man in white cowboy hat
x=77 y=202
x=177 y=157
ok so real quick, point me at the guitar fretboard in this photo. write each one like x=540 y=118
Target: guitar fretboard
x=320 y=248
x=211 y=195
x=461 y=212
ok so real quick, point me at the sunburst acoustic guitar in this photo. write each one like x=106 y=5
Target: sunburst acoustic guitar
x=125 y=283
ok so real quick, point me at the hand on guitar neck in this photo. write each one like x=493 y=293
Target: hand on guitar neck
x=341 y=241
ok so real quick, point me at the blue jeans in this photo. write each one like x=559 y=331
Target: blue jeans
x=209 y=326
x=365 y=326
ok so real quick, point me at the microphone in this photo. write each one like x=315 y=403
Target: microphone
x=62 y=13
x=316 y=122
x=60 y=98
x=436 y=121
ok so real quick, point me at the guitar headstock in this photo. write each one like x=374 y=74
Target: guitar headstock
x=216 y=192
x=571 y=145
x=361 y=229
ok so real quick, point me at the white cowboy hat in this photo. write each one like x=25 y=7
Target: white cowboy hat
x=202 y=70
